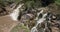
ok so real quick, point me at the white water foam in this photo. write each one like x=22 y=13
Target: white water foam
x=15 y=13
x=34 y=29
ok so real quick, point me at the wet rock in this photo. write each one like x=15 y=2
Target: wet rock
x=58 y=17
x=26 y=18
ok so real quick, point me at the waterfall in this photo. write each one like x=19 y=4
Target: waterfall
x=34 y=29
x=14 y=15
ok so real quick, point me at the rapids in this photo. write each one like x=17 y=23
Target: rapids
x=34 y=29
x=14 y=15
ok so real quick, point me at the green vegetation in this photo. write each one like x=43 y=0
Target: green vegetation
x=20 y=27
x=5 y=2
x=28 y=3
x=57 y=2
x=32 y=3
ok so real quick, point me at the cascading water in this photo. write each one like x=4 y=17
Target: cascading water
x=14 y=15
x=34 y=29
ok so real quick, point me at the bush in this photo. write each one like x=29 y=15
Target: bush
x=57 y=2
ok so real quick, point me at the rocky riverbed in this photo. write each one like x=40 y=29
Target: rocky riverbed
x=30 y=19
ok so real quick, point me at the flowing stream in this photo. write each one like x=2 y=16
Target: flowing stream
x=34 y=29
x=14 y=15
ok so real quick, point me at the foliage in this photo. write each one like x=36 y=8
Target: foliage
x=57 y=2
x=5 y=2
x=20 y=26
x=32 y=3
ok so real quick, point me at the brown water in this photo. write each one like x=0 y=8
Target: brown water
x=6 y=23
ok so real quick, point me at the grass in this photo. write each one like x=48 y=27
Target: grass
x=19 y=27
